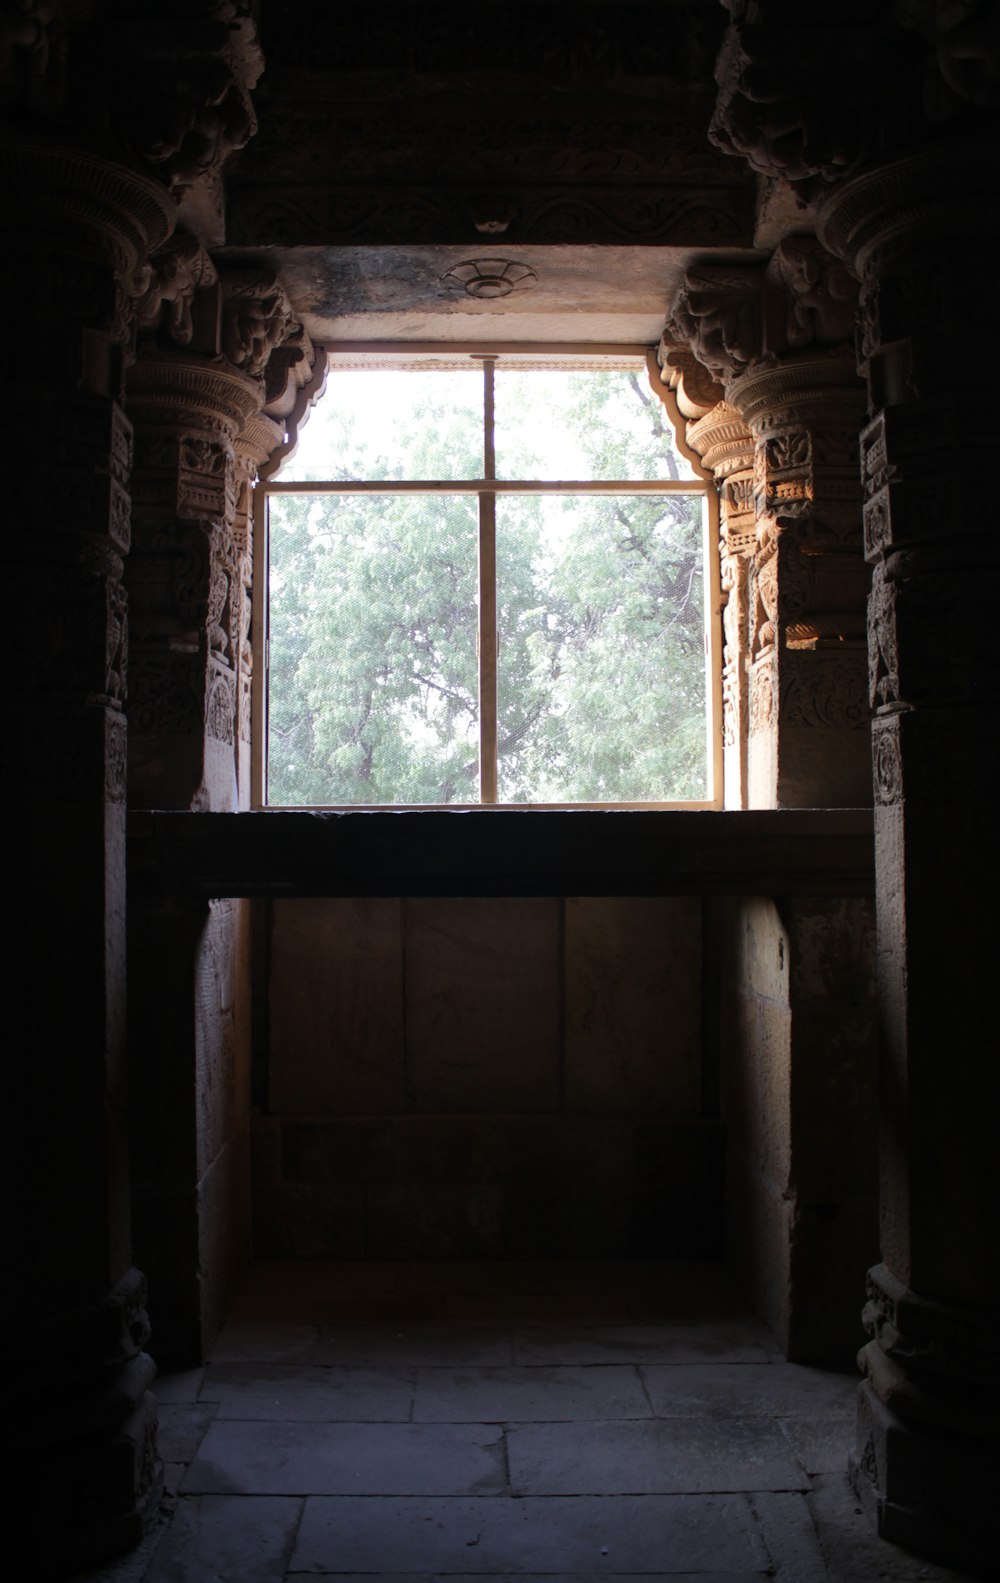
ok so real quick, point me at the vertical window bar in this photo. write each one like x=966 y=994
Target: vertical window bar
x=488 y=603
x=259 y=673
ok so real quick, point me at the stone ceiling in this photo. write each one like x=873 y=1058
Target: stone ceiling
x=565 y=143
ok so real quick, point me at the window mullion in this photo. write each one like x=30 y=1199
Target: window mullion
x=488 y=603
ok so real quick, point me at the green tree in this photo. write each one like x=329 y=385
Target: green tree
x=373 y=629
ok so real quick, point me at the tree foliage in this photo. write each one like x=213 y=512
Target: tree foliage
x=373 y=667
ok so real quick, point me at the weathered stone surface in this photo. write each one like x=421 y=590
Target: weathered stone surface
x=547 y=1533
x=633 y=1005
x=304 y=1458
x=482 y=1004
x=336 y=1007
x=659 y=1458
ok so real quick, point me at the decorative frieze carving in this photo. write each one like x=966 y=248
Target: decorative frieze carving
x=347 y=216
x=826 y=688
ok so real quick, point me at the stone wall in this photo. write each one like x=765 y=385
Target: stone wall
x=800 y=1103
x=486 y=1078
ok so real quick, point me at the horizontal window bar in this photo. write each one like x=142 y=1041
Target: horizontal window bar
x=494 y=486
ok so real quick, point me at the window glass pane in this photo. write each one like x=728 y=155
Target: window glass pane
x=393 y=423
x=372 y=673
x=601 y=684
x=590 y=424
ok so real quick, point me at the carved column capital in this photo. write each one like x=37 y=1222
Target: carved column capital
x=180 y=390
x=940 y=194
x=116 y=213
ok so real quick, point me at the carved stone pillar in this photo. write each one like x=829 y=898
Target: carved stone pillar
x=258 y=440
x=185 y=581
x=777 y=339
x=215 y=351
x=806 y=651
x=922 y=234
x=725 y=445
x=717 y=435
x=81 y=1424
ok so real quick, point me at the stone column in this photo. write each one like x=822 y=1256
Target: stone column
x=725 y=445
x=717 y=435
x=922 y=234
x=796 y=1014
x=184 y=580
x=778 y=340
x=213 y=353
x=81 y=1425
x=806 y=651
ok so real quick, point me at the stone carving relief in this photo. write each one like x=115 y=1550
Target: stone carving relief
x=115 y=757
x=819 y=294
x=175 y=275
x=347 y=216
x=733 y=576
x=962 y=59
x=718 y=314
x=34 y=39
x=887 y=762
x=183 y=84
x=221 y=711
x=781 y=103
x=763 y=707
x=256 y=318
x=829 y=691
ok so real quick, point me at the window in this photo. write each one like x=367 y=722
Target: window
x=488 y=582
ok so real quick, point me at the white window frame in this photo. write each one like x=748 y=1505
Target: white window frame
x=353 y=356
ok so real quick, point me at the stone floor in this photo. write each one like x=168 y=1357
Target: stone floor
x=496 y=1422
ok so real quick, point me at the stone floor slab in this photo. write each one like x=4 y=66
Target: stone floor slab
x=656 y=1457
x=541 y=1577
x=822 y=1445
x=348 y=1459
x=182 y=1385
x=535 y=1308
x=226 y=1539
x=664 y=1535
x=672 y=1342
x=528 y=1394
x=182 y=1429
x=789 y=1534
x=851 y=1548
x=265 y=1341
x=307 y=1393
x=406 y=1345
x=777 y=1390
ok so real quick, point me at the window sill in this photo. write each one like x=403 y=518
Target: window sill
x=502 y=852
